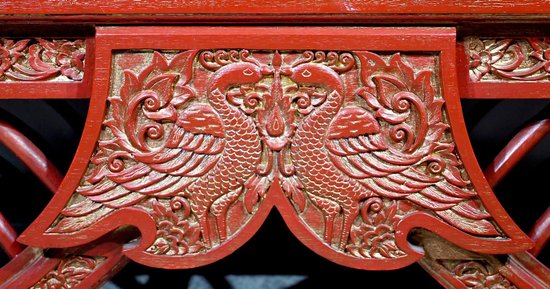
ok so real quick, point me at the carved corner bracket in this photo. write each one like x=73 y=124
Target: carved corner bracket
x=356 y=146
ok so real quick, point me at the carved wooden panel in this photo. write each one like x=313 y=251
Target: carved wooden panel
x=69 y=273
x=513 y=59
x=41 y=59
x=39 y=68
x=476 y=273
x=493 y=67
x=351 y=133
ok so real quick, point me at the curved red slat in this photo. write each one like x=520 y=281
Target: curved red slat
x=31 y=156
x=7 y=238
x=512 y=153
x=540 y=233
x=42 y=168
x=515 y=150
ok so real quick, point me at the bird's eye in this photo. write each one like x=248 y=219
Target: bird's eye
x=248 y=72
x=306 y=73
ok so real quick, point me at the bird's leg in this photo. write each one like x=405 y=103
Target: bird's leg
x=219 y=210
x=203 y=223
x=349 y=216
x=329 y=225
x=221 y=222
x=329 y=209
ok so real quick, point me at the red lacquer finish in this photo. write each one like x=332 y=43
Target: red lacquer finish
x=36 y=161
x=11 y=7
x=515 y=150
x=8 y=238
x=540 y=233
x=247 y=130
x=31 y=156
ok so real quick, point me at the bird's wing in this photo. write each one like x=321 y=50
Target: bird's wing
x=121 y=178
x=397 y=145
x=154 y=143
x=433 y=181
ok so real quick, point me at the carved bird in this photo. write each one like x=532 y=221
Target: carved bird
x=208 y=154
x=390 y=147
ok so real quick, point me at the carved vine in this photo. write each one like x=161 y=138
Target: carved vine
x=70 y=272
x=521 y=59
x=41 y=59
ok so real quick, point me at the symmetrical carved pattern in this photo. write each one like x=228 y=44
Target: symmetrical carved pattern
x=357 y=141
x=523 y=59
x=40 y=59
x=69 y=272
x=477 y=274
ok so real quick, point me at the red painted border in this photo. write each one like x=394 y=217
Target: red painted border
x=264 y=7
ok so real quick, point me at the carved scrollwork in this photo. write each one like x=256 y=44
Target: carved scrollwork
x=41 y=59
x=517 y=59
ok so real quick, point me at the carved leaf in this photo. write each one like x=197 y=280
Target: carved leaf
x=293 y=188
x=256 y=187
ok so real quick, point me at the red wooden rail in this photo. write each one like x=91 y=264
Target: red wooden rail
x=475 y=80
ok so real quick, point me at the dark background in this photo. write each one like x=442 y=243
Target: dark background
x=56 y=125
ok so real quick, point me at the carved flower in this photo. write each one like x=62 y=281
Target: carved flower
x=176 y=233
x=542 y=51
x=375 y=237
x=475 y=275
x=69 y=273
x=380 y=240
x=483 y=55
x=5 y=60
x=50 y=58
x=10 y=51
x=71 y=59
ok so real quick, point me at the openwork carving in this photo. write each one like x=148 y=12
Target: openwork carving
x=521 y=59
x=69 y=272
x=41 y=59
x=357 y=141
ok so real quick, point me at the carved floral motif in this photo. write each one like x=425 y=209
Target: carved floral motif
x=177 y=234
x=69 y=272
x=477 y=275
x=356 y=140
x=374 y=237
x=523 y=59
x=40 y=59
